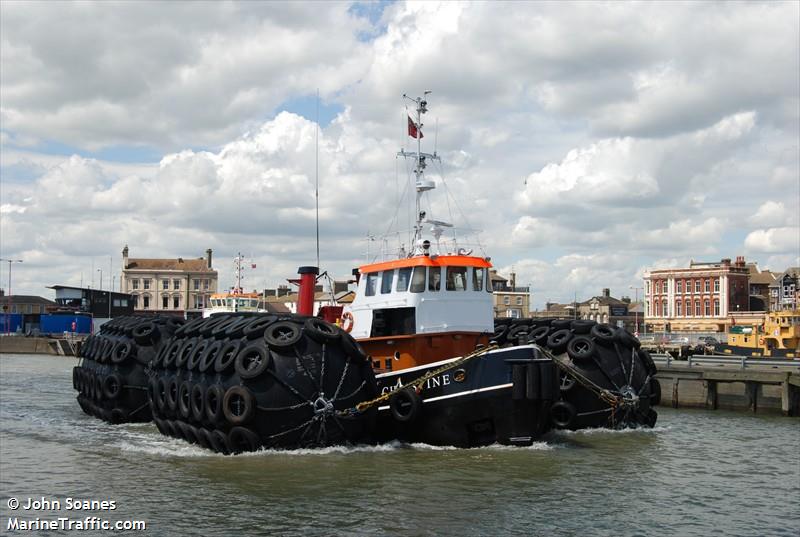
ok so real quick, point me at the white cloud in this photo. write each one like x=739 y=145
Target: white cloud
x=644 y=134
x=774 y=240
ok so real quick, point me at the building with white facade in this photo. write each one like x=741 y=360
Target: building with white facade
x=176 y=286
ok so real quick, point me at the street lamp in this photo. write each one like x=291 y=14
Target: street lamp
x=101 y=278
x=636 y=313
x=8 y=310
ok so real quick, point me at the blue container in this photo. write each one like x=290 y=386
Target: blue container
x=10 y=322
x=55 y=323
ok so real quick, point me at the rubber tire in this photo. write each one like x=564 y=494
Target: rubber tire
x=243 y=363
x=562 y=414
x=405 y=405
x=241 y=439
x=604 y=334
x=227 y=355
x=558 y=340
x=219 y=442
x=213 y=403
x=122 y=351
x=538 y=336
x=321 y=331
x=197 y=402
x=255 y=328
x=146 y=333
x=655 y=392
x=246 y=397
x=283 y=334
x=209 y=356
x=581 y=348
x=109 y=382
x=185 y=399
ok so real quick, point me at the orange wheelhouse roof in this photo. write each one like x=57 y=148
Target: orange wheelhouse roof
x=427 y=261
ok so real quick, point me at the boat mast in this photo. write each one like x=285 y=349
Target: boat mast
x=422 y=185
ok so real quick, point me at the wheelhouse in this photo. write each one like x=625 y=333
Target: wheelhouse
x=423 y=295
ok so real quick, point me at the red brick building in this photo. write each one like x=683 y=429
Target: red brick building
x=704 y=297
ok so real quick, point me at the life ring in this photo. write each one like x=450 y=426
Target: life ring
x=347 y=321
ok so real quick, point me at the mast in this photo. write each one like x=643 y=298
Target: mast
x=422 y=185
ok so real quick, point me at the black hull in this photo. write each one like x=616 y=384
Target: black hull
x=504 y=397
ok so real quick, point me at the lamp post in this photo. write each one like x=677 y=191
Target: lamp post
x=101 y=278
x=636 y=313
x=8 y=310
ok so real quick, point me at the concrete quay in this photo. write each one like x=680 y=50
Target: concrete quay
x=754 y=389
x=39 y=345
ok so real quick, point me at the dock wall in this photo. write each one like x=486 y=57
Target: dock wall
x=755 y=390
x=37 y=345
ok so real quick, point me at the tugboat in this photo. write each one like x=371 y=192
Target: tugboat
x=778 y=337
x=416 y=357
x=425 y=320
x=236 y=300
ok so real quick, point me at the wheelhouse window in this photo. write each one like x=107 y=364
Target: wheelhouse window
x=477 y=279
x=386 y=281
x=403 y=279
x=456 y=279
x=371 y=284
x=418 y=280
x=434 y=278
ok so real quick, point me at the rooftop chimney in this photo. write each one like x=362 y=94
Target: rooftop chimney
x=125 y=257
x=208 y=257
x=513 y=281
x=606 y=292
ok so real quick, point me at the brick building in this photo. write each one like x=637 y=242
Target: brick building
x=704 y=297
x=509 y=299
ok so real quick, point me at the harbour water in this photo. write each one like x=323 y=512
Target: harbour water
x=696 y=473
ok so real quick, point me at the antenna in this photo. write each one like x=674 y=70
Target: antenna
x=316 y=172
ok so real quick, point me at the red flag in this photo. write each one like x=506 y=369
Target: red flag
x=413 y=131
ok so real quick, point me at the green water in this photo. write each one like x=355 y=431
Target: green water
x=696 y=473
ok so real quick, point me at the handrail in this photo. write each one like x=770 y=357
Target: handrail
x=742 y=361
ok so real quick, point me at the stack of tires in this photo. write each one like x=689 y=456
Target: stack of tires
x=111 y=378
x=238 y=382
x=607 y=357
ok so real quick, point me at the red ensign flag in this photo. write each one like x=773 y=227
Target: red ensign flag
x=413 y=131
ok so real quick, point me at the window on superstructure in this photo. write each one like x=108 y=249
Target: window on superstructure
x=477 y=279
x=434 y=278
x=371 y=284
x=456 y=279
x=403 y=279
x=386 y=281
x=418 y=280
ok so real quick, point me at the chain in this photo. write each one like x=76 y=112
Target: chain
x=613 y=400
x=417 y=383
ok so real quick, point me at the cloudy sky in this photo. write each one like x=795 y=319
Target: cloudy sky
x=588 y=141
